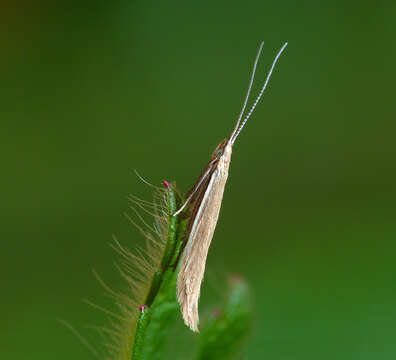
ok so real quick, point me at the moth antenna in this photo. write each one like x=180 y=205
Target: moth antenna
x=249 y=88
x=235 y=134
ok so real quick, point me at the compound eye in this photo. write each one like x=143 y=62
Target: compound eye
x=219 y=152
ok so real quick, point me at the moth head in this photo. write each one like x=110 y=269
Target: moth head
x=219 y=151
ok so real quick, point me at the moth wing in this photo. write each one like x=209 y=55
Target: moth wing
x=193 y=261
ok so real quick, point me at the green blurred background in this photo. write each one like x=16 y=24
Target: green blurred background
x=92 y=90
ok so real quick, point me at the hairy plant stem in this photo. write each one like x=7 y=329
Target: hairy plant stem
x=160 y=302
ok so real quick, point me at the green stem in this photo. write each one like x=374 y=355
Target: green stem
x=141 y=330
x=172 y=229
x=170 y=245
x=161 y=296
x=179 y=242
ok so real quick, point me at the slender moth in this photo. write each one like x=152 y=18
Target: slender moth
x=205 y=198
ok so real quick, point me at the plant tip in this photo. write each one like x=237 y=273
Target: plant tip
x=142 y=308
x=166 y=184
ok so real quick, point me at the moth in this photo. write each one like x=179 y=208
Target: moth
x=205 y=199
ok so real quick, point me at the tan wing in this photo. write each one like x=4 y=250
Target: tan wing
x=192 y=265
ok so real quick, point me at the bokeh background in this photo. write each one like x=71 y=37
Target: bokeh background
x=92 y=90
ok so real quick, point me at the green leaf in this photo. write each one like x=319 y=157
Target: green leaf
x=224 y=331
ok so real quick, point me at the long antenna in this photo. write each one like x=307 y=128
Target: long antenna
x=235 y=134
x=250 y=88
